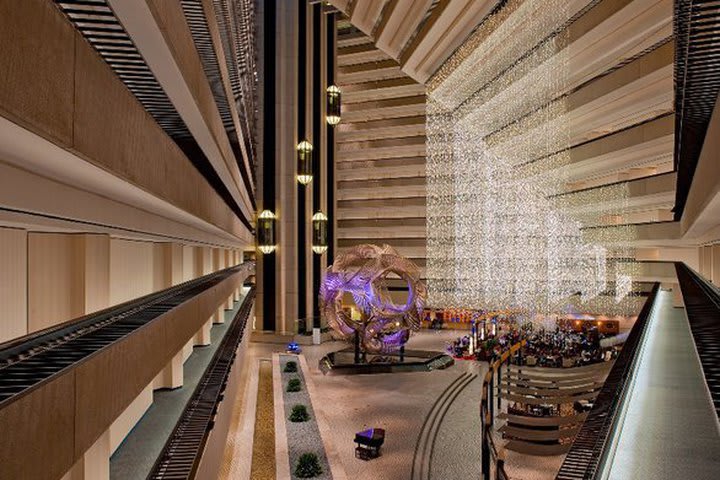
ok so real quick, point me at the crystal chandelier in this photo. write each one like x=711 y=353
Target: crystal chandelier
x=498 y=138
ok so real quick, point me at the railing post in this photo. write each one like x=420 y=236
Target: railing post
x=499 y=382
x=490 y=395
x=485 y=448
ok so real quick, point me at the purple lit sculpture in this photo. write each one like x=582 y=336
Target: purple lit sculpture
x=383 y=326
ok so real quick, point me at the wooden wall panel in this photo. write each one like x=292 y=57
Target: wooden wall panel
x=134 y=141
x=55 y=279
x=184 y=326
x=37 y=432
x=171 y=19
x=13 y=283
x=131 y=269
x=54 y=83
x=36 y=69
x=136 y=359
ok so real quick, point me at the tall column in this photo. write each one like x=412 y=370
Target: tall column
x=171 y=376
x=13 y=278
x=304 y=208
x=277 y=271
x=706 y=261
x=318 y=87
x=331 y=79
x=174 y=263
x=265 y=189
x=202 y=337
x=716 y=264
x=95 y=462
x=68 y=276
x=95 y=255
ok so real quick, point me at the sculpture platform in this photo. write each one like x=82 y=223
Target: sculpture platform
x=342 y=362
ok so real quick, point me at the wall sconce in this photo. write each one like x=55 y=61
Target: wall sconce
x=266 y=232
x=333 y=105
x=304 y=162
x=319 y=233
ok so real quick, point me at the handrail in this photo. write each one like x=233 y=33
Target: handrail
x=50 y=333
x=590 y=450
x=702 y=305
x=37 y=358
x=489 y=449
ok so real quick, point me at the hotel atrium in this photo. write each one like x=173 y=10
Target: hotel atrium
x=359 y=239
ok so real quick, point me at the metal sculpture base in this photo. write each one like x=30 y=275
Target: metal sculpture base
x=343 y=362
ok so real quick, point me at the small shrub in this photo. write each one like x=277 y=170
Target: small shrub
x=308 y=466
x=299 y=414
x=291 y=367
x=294 y=385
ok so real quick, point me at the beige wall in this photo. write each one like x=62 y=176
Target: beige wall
x=13 y=283
x=131 y=270
x=50 y=278
x=54 y=279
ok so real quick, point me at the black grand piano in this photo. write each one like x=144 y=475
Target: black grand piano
x=368 y=443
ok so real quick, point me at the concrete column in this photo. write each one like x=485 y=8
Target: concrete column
x=68 y=275
x=202 y=337
x=95 y=257
x=168 y=265
x=188 y=262
x=716 y=264
x=203 y=261
x=13 y=278
x=706 y=261
x=219 y=316
x=129 y=418
x=172 y=375
x=188 y=349
x=95 y=462
x=218 y=259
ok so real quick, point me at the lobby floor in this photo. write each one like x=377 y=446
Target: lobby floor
x=398 y=403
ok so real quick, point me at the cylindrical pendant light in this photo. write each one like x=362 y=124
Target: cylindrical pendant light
x=319 y=233
x=266 y=232
x=333 y=105
x=304 y=162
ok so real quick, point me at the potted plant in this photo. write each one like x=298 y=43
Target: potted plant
x=291 y=367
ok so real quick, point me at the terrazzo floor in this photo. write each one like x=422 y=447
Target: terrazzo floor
x=398 y=403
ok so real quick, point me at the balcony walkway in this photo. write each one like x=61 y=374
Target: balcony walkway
x=136 y=456
x=670 y=429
